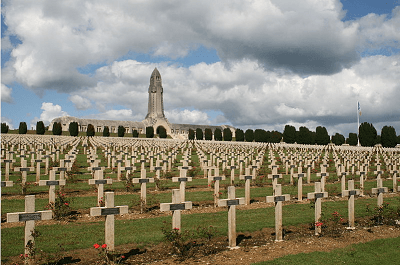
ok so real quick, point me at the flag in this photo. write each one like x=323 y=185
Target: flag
x=359 y=108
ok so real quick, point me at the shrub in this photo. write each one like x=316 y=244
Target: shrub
x=4 y=128
x=191 y=134
x=227 y=134
x=249 y=135
x=40 y=129
x=23 y=129
x=149 y=132
x=57 y=128
x=239 y=135
x=135 y=134
x=106 y=131
x=121 y=131
x=162 y=132
x=217 y=135
x=90 y=130
x=73 y=128
x=199 y=134
x=208 y=134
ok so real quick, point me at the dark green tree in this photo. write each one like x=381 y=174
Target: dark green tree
x=352 y=140
x=4 y=127
x=149 y=132
x=57 y=128
x=249 y=135
x=162 y=132
x=276 y=137
x=106 y=131
x=338 y=139
x=208 y=134
x=260 y=135
x=227 y=134
x=73 y=128
x=135 y=133
x=239 y=135
x=321 y=136
x=90 y=130
x=121 y=131
x=367 y=134
x=388 y=136
x=191 y=134
x=199 y=134
x=289 y=134
x=40 y=129
x=398 y=139
x=304 y=136
x=22 y=129
x=217 y=135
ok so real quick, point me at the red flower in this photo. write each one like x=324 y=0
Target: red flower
x=96 y=246
x=122 y=257
x=318 y=224
x=176 y=228
x=104 y=246
x=66 y=203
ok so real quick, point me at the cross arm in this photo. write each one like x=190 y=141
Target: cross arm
x=164 y=207
x=284 y=197
x=24 y=216
x=231 y=202
x=102 y=211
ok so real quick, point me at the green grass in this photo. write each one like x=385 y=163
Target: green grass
x=380 y=251
x=148 y=231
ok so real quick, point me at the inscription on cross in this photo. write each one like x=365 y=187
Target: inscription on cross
x=231 y=202
x=29 y=217
x=109 y=211
x=278 y=199
x=350 y=193
x=317 y=195
x=379 y=190
x=176 y=206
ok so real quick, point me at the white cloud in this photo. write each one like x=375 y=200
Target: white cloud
x=120 y=115
x=6 y=94
x=8 y=121
x=50 y=112
x=80 y=102
x=187 y=117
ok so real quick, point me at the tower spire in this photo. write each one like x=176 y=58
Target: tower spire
x=156 y=103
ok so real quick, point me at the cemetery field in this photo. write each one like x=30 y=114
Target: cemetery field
x=72 y=179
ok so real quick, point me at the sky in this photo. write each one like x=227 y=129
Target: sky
x=258 y=64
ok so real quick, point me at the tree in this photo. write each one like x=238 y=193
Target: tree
x=217 y=135
x=321 y=136
x=338 y=139
x=304 y=136
x=388 y=136
x=4 y=127
x=135 y=133
x=249 y=135
x=199 y=134
x=289 y=134
x=227 y=134
x=40 y=129
x=352 y=140
x=106 y=131
x=121 y=131
x=276 y=137
x=162 y=132
x=23 y=129
x=367 y=134
x=208 y=134
x=73 y=128
x=57 y=128
x=191 y=134
x=149 y=132
x=239 y=135
x=90 y=130
x=260 y=135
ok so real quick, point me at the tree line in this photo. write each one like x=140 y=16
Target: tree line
x=368 y=135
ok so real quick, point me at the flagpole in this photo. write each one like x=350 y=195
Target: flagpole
x=358 y=123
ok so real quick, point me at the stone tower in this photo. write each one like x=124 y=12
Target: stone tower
x=156 y=104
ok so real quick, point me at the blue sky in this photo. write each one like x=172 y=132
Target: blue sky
x=250 y=64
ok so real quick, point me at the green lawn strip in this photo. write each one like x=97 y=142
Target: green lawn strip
x=380 y=251
x=194 y=196
x=145 y=231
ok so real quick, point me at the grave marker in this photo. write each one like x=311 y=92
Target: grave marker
x=278 y=198
x=317 y=195
x=176 y=206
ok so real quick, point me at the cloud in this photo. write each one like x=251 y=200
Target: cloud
x=187 y=117
x=306 y=37
x=6 y=94
x=50 y=112
x=8 y=121
x=120 y=115
x=80 y=102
